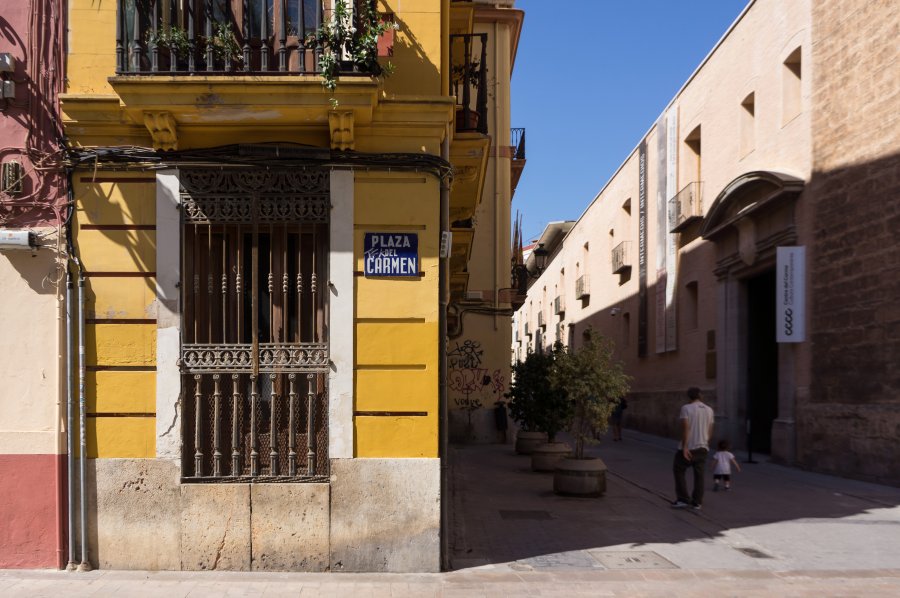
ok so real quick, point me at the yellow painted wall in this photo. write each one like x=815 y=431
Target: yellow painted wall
x=92 y=46
x=417 y=47
x=397 y=322
x=120 y=333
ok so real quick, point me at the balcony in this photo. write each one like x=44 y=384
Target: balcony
x=687 y=206
x=229 y=37
x=582 y=288
x=527 y=330
x=517 y=144
x=621 y=257
x=468 y=81
x=559 y=305
x=541 y=322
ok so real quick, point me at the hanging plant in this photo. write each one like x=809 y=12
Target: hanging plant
x=349 y=46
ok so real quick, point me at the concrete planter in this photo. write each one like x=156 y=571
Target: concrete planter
x=580 y=477
x=546 y=456
x=527 y=441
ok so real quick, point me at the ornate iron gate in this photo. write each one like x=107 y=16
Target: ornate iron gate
x=254 y=357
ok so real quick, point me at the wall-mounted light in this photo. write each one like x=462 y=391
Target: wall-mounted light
x=521 y=273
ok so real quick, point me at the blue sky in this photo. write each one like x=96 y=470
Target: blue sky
x=590 y=78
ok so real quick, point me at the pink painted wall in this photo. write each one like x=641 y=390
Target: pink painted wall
x=32 y=511
x=33 y=32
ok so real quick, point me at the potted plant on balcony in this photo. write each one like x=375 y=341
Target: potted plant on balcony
x=540 y=408
x=174 y=39
x=593 y=381
x=462 y=75
x=223 y=43
x=350 y=44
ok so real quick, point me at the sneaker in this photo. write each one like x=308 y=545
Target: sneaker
x=679 y=504
x=696 y=508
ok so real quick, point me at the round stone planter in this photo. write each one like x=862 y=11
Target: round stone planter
x=544 y=457
x=527 y=441
x=580 y=477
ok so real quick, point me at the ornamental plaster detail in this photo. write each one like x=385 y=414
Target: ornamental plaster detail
x=340 y=125
x=163 y=130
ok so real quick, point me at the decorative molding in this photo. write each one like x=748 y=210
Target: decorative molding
x=238 y=358
x=340 y=125
x=163 y=130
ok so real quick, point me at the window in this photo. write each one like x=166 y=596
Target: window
x=790 y=86
x=690 y=305
x=692 y=142
x=254 y=354
x=748 y=124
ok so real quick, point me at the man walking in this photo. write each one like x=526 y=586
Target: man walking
x=696 y=420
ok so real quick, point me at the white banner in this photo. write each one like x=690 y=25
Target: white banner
x=790 y=295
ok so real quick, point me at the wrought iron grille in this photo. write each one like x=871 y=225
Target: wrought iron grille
x=254 y=356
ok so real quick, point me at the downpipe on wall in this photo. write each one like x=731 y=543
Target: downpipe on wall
x=85 y=564
x=70 y=422
x=443 y=299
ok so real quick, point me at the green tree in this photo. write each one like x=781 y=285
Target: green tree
x=593 y=381
x=535 y=402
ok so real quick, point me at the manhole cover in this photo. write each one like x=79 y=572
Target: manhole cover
x=576 y=559
x=628 y=559
x=752 y=552
x=525 y=515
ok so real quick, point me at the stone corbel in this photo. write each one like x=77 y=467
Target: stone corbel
x=162 y=129
x=340 y=124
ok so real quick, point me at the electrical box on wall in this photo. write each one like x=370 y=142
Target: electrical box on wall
x=7 y=63
x=17 y=239
x=11 y=177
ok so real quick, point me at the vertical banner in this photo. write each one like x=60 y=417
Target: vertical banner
x=642 y=249
x=662 y=228
x=790 y=294
x=671 y=180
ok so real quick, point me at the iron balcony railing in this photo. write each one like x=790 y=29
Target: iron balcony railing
x=582 y=288
x=621 y=257
x=469 y=81
x=541 y=322
x=687 y=206
x=221 y=37
x=517 y=141
x=559 y=305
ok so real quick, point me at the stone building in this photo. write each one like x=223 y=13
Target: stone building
x=261 y=272
x=745 y=245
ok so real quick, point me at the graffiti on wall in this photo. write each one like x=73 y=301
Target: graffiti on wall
x=472 y=385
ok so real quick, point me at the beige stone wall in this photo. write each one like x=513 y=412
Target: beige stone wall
x=853 y=411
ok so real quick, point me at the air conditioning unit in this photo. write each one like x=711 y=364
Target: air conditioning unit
x=11 y=178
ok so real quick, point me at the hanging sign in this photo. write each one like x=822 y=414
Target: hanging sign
x=391 y=254
x=790 y=294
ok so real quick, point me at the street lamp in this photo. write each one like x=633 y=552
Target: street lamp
x=521 y=273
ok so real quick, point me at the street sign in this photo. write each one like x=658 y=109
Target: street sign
x=391 y=254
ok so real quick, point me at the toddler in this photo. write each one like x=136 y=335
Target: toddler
x=722 y=461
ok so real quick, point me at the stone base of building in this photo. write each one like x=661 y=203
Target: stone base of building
x=376 y=515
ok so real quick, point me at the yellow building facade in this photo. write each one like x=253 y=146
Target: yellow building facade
x=265 y=276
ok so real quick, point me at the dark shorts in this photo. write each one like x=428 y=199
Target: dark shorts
x=725 y=477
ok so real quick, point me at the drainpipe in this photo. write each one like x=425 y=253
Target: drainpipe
x=70 y=423
x=443 y=297
x=85 y=565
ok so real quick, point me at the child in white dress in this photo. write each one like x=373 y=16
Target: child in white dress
x=722 y=461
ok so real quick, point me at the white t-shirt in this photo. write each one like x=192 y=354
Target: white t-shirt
x=723 y=463
x=700 y=417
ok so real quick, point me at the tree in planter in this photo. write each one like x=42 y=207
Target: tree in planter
x=593 y=382
x=536 y=403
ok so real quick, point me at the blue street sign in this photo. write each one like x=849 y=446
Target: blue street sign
x=391 y=254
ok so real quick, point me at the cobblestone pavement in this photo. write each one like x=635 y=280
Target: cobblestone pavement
x=781 y=532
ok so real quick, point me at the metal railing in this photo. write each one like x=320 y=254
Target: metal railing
x=621 y=257
x=687 y=206
x=559 y=305
x=517 y=141
x=468 y=77
x=220 y=37
x=582 y=288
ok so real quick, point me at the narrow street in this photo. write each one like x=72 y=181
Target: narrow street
x=775 y=518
